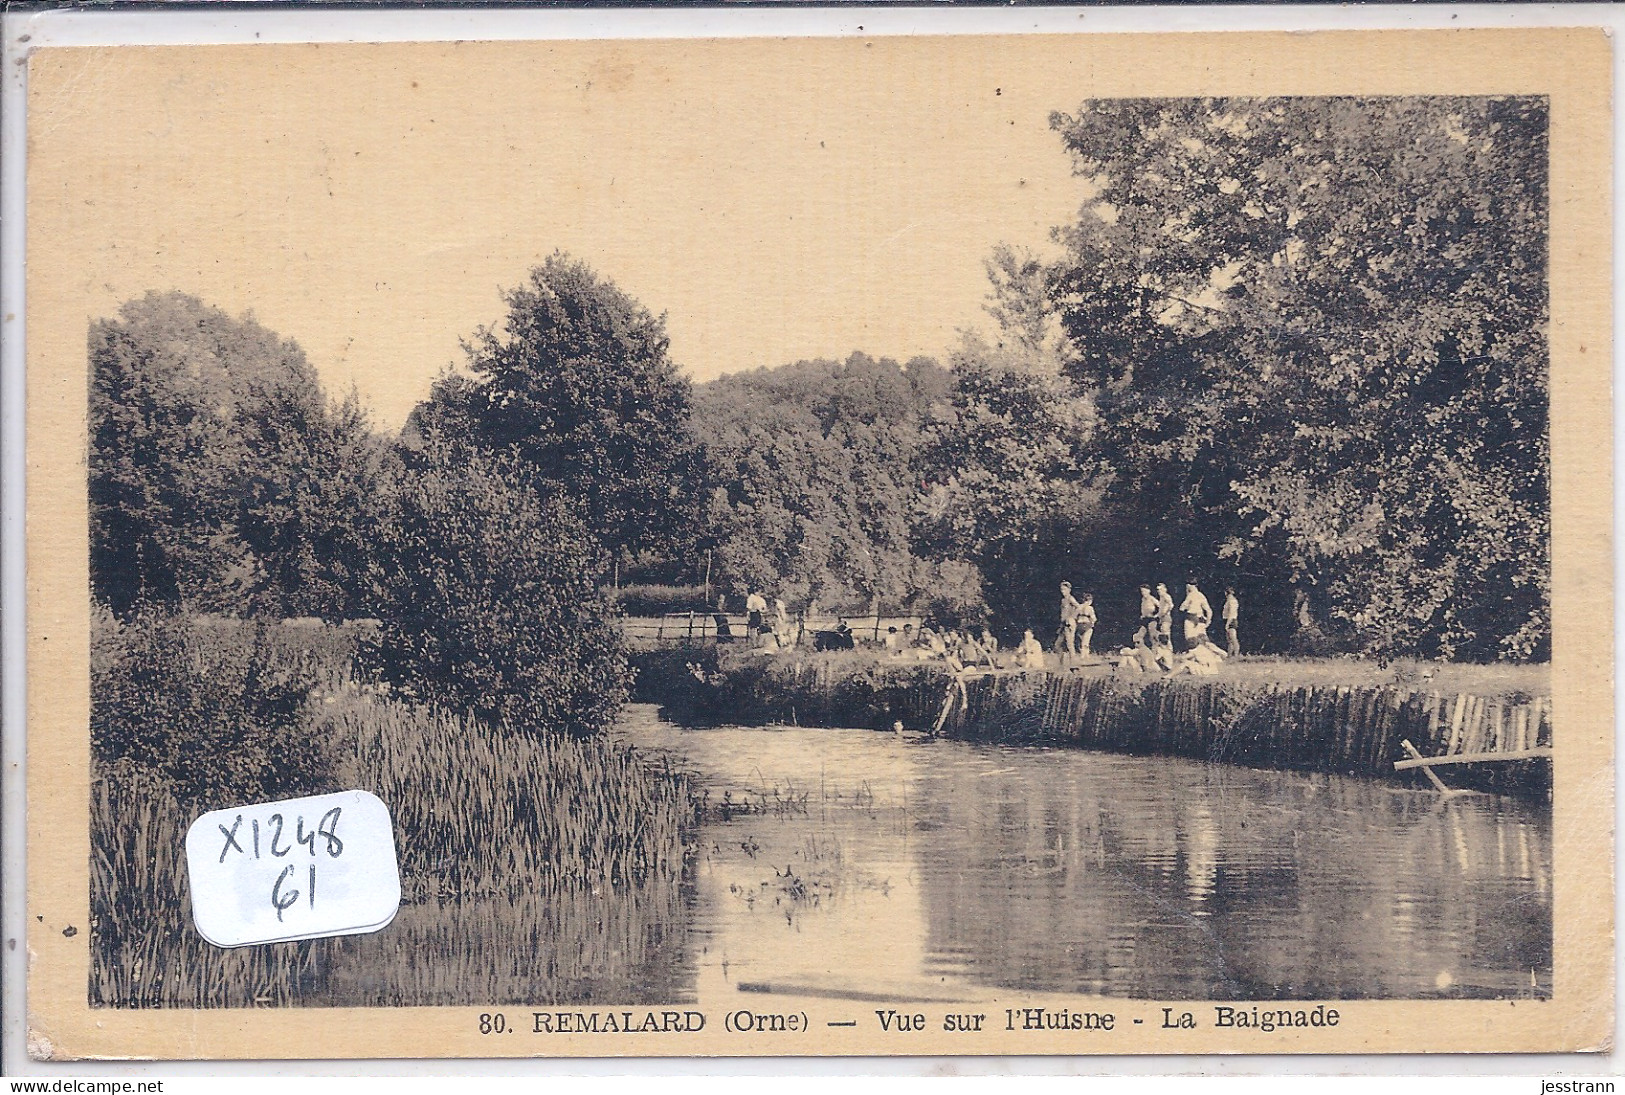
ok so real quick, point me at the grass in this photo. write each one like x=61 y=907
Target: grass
x=1491 y=681
x=534 y=868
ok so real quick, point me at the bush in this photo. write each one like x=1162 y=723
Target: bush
x=491 y=602
x=841 y=688
x=216 y=710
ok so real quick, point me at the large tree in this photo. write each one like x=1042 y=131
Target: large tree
x=577 y=382
x=1316 y=331
x=220 y=478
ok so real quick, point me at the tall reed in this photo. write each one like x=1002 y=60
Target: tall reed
x=535 y=867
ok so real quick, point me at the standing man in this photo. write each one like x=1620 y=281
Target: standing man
x=1165 y=614
x=1230 y=613
x=1086 y=623
x=1148 y=617
x=1069 y=622
x=1198 y=614
x=756 y=613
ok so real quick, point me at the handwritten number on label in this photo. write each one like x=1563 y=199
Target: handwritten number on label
x=231 y=837
x=307 y=839
x=278 y=898
x=276 y=819
x=330 y=829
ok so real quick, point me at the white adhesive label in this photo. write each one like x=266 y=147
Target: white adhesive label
x=297 y=869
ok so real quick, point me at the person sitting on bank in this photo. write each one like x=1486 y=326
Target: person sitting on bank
x=1201 y=660
x=973 y=653
x=1153 y=657
x=1030 y=653
x=838 y=639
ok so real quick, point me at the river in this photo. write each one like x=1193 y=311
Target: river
x=863 y=865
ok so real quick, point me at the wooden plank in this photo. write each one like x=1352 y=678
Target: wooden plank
x=1438 y=784
x=1419 y=761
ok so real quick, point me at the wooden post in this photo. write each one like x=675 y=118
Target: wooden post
x=947 y=705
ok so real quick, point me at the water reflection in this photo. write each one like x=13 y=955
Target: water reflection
x=863 y=865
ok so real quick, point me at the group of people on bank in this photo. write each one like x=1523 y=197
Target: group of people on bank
x=1152 y=648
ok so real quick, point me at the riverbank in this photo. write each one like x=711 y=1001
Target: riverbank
x=1337 y=715
x=535 y=867
x=1352 y=730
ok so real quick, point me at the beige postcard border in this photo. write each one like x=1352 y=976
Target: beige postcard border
x=1572 y=67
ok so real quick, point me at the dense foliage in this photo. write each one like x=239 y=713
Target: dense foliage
x=491 y=601
x=220 y=477
x=809 y=469
x=581 y=839
x=1316 y=333
x=1005 y=480
x=212 y=710
x=578 y=384
x=1297 y=346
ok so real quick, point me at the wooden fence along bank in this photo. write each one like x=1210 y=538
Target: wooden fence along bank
x=1463 y=740
x=1472 y=741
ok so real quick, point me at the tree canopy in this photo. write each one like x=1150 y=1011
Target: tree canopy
x=809 y=469
x=1293 y=345
x=577 y=382
x=220 y=477
x=1005 y=479
x=1316 y=333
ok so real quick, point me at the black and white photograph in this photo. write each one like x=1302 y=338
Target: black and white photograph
x=851 y=545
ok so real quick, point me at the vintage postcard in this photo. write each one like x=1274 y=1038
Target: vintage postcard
x=1015 y=544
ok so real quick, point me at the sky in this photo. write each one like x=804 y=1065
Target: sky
x=778 y=200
